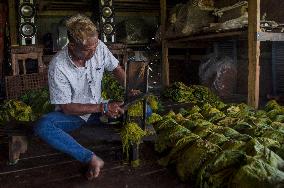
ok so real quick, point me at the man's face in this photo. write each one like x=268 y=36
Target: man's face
x=86 y=51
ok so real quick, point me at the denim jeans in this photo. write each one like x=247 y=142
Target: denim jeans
x=53 y=128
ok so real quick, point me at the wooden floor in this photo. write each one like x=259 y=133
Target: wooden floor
x=42 y=166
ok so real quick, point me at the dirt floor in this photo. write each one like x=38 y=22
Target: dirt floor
x=42 y=166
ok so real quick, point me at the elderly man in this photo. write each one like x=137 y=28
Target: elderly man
x=75 y=75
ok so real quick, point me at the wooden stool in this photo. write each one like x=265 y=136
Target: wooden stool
x=23 y=53
x=18 y=134
x=17 y=146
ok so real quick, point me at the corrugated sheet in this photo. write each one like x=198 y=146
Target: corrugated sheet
x=227 y=48
x=278 y=67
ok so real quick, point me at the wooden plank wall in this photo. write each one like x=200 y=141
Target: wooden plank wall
x=265 y=85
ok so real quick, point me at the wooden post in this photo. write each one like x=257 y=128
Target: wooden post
x=254 y=52
x=13 y=22
x=165 y=62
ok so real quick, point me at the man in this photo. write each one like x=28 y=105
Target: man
x=74 y=76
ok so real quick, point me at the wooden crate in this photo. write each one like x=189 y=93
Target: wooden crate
x=16 y=86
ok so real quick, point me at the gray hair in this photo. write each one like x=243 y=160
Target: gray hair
x=80 y=28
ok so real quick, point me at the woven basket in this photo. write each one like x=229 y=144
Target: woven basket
x=17 y=85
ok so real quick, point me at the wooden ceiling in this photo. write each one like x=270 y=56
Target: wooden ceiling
x=91 y=5
x=144 y=6
x=121 y=6
x=47 y=5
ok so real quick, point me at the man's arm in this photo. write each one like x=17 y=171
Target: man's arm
x=113 y=109
x=80 y=109
x=119 y=74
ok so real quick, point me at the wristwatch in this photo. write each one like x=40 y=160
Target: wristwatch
x=105 y=108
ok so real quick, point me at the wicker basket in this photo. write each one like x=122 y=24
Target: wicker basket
x=17 y=85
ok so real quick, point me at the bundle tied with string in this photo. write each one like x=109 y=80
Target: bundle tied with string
x=189 y=18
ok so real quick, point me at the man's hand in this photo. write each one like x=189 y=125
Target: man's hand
x=115 y=109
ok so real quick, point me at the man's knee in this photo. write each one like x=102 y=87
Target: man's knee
x=41 y=126
x=44 y=124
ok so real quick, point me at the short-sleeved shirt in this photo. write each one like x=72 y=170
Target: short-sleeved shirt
x=71 y=84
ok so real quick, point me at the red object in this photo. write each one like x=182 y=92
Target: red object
x=3 y=17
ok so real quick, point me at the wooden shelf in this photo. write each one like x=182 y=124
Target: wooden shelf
x=269 y=36
x=252 y=34
x=137 y=45
x=241 y=35
x=213 y=36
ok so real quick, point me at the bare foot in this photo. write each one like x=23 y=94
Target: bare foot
x=94 y=167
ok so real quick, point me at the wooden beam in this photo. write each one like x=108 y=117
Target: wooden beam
x=56 y=13
x=142 y=13
x=165 y=62
x=13 y=22
x=186 y=45
x=213 y=36
x=133 y=1
x=266 y=36
x=253 y=53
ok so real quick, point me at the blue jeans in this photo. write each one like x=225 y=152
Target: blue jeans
x=53 y=128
